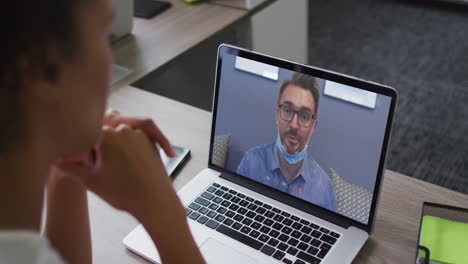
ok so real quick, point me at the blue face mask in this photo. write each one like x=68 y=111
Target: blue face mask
x=290 y=158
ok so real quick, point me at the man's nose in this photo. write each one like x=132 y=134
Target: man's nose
x=294 y=121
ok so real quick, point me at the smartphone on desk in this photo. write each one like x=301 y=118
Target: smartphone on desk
x=173 y=164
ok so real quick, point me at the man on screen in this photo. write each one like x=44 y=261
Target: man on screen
x=285 y=165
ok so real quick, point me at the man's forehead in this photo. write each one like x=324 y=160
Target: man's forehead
x=298 y=97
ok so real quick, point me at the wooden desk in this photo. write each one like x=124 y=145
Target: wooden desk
x=395 y=234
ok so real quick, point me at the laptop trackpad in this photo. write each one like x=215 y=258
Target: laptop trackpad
x=216 y=252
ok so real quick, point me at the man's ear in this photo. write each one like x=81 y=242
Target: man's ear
x=314 y=126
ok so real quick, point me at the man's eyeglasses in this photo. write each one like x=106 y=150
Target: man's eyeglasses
x=304 y=117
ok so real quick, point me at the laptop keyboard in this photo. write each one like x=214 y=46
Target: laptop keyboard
x=261 y=226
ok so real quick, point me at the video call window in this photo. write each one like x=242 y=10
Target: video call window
x=315 y=139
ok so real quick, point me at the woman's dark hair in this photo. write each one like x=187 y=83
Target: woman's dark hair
x=39 y=33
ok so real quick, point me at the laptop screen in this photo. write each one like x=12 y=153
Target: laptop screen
x=312 y=138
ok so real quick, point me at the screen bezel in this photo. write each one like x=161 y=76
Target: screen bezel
x=291 y=200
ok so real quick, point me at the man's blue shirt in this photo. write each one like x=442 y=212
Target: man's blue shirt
x=312 y=184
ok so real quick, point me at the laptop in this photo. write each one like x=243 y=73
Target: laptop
x=296 y=160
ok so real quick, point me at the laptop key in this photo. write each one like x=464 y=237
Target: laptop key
x=312 y=250
x=227 y=196
x=267 y=250
x=295 y=218
x=314 y=226
x=306 y=230
x=254 y=234
x=207 y=195
x=260 y=210
x=316 y=234
x=194 y=206
x=246 y=229
x=244 y=203
x=335 y=235
x=276 y=210
x=187 y=211
x=263 y=238
x=239 y=237
x=203 y=210
x=279 y=255
x=230 y=213
x=238 y=217
x=268 y=222
x=235 y=199
x=323 y=252
x=228 y=222
x=242 y=211
x=282 y=246
x=216 y=185
x=292 y=251
x=267 y=206
x=249 y=199
x=315 y=243
x=305 y=222
x=211 y=214
x=306 y=238
x=324 y=230
x=274 y=233
x=256 y=225
x=219 y=193
x=225 y=203
x=287 y=261
x=212 y=224
x=247 y=221
x=265 y=229
x=283 y=237
x=241 y=195
x=296 y=234
x=287 y=222
x=217 y=200
x=293 y=242
x=308 y=258
x=194 y=215
x=224 y=188
x=236 y=226
x=328 y=239
x=257 y=202
x=297 y=226
x=269 y=214
x=286 y=214
x=213 y=206
x=234 y=207
x=221 y=210
x=278 y=218
x=286 y=230
x=202 y=219
x=303 y=246
x=259 y=218
x=250 y=214
x=252 y=207
x=277 y=226
x=232 y=192
x=273 y=242
x=298 y=261
x=219 y=218
x=211 y=189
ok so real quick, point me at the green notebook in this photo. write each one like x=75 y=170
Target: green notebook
x=446 y=240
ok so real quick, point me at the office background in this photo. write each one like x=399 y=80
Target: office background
x=247 y=112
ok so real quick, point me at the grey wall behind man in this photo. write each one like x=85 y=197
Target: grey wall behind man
x=348 y=137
